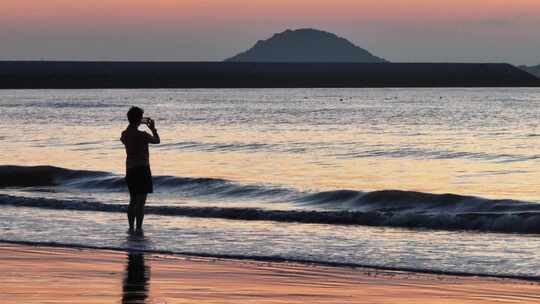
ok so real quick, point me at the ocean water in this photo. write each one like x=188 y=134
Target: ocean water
x=442 y=180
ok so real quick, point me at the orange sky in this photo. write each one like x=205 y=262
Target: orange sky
x=373 y=10
x=369 y=23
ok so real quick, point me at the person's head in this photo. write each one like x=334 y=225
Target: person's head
x=135 y=115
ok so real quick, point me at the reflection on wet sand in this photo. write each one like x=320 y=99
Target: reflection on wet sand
x=136 y=279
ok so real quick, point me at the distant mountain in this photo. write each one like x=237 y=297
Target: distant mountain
x=535 y=70
x=306 y=45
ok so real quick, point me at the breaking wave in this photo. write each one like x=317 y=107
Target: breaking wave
x=387 y=208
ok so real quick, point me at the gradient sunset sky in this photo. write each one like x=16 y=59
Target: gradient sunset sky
x=193 y=30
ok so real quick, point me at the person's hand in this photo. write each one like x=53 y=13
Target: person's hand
x=151 y=124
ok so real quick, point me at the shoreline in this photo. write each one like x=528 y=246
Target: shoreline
x=155 y=74
x=275 y=259
x=37 y=273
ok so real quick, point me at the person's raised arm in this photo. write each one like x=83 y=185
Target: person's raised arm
x=154 y=139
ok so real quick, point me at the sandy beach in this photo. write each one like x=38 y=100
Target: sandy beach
x=43 y=274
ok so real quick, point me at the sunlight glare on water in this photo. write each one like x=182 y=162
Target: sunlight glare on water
x=468 y=141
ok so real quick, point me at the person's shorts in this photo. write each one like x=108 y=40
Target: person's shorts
x=139 y=180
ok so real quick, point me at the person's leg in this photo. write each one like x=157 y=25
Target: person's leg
x=131 y=210
x=139 y=209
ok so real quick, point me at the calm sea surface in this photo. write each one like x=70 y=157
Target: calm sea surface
x=428 y=179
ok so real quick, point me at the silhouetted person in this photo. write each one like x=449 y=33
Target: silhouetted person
x=136 y=277
x=138 y=174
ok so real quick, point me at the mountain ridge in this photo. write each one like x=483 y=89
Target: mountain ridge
x=305 y=45
x=535 y=70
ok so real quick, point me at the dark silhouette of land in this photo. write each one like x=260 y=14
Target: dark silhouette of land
x=58 y=74
x=305 y=45
x=535 y=70
x=299 y=58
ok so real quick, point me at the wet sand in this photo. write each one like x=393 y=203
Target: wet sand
x=30 y=274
